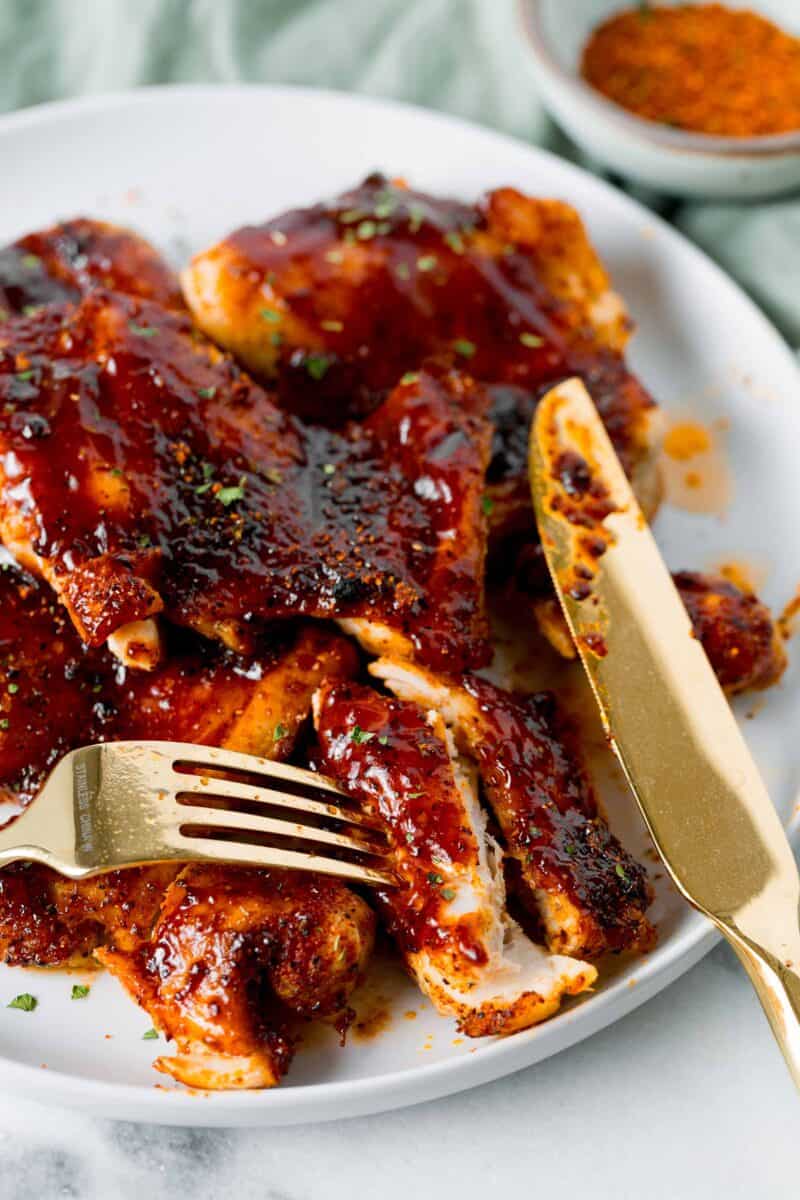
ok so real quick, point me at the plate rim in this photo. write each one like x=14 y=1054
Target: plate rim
x=377 y=1093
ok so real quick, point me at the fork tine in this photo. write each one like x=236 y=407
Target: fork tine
x=231 y=789
x=222 y=818
x=211 y=758
x=249 y=854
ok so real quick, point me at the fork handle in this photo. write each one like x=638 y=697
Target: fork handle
x=777 y=984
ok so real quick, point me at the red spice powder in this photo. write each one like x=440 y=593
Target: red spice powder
x=702 y=67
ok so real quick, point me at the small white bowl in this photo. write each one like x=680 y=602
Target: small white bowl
x=671 y=160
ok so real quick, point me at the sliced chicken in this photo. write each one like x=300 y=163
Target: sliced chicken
x=449 y=917
x=588 y=892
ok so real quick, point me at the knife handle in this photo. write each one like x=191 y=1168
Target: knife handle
x=777 y=984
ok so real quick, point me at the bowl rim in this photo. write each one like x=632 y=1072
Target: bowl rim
x=664 y=137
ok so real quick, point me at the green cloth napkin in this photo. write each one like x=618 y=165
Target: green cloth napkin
x=464 y=56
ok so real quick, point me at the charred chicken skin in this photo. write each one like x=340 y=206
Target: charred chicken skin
x=143 y=472
x=588 y=892
x=448 y=916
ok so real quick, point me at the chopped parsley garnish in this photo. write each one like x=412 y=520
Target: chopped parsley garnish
x=454 y=241
x=24 y=376
x=276 y=338
x=447 y=894
x=25 y=1001
x=351 y=215
x=532 y=340
x=31 y=310
x=31 y=261
x=4 y=723
x=359 y=735
x=207 y=393
x=464 y=347
x=229 y=495
x=79 y=991
x=427 y=262
x=13 y=688
x=269 y=314
x=534 y=831
x=410 y=377
x=329 y=469
x=487 y=504
x=116 y=473
x=317 y=365
x=570 y=848
x=383 y=740
x=366 y=230
x=143 y=541
x=334 y=256
x=331 y=326
x=145 y=331
x=150 y=1036
x=384 y=208
x=415 y=218
x=208 y=471
x=279 y=733
x=414 y=795
x=435 y=879
x=403 y=271
x=620 y=870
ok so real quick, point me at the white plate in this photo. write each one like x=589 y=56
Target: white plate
x=184 y=166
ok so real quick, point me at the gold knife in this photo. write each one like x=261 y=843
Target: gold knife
x=664 y=712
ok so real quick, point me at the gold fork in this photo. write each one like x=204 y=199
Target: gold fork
x=123 y=804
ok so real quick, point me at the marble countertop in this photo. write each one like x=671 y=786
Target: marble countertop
x=685 y=1099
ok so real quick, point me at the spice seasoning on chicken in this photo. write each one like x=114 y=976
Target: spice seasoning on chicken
x=704 y=68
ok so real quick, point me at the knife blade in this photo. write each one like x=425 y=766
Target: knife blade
x=665 y=715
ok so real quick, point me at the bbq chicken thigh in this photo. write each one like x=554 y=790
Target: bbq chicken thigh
x=337 y=300
x=57 y=694
x=142 y=472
